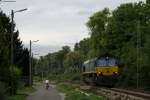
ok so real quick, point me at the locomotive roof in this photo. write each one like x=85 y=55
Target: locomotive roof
x=107 y=55
x=90 y=60
x=93 y=59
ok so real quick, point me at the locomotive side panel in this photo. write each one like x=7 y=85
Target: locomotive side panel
x=89 y=66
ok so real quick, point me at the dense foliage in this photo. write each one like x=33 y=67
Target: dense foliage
x=124 y=33
x=21 y=55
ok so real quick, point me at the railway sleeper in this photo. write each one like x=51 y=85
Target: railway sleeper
x=119 y=96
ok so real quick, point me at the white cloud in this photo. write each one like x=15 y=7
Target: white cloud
x=56 y=22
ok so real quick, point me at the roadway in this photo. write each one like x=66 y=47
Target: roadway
x=42 y=94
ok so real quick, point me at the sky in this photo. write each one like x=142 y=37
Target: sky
x=55 y=23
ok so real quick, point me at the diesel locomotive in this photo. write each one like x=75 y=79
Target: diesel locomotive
x=103 y=70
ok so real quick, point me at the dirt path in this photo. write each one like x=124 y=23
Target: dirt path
x=43 y=94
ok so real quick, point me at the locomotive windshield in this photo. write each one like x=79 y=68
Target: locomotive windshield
x=101 y=62
x=106 y=62
x=111 y=62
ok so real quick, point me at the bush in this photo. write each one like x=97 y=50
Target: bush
x=2 y=91
x=76 y=77
x=15 y=78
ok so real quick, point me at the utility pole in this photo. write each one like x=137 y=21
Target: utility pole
x=30 y=68
x=12 y=40
x=138 y=52
x=12 y=49
x=42 y=76
x=30 y=63
x=12 y=46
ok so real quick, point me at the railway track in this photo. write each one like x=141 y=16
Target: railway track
x=117 y=93
x=134 y=93
x=122 y=94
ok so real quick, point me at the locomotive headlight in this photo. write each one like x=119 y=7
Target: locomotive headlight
x=115 y=73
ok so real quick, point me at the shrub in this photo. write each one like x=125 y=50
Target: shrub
x=2 y=91
x=15 y=78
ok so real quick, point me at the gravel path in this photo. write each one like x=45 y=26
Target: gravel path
x=43 y=94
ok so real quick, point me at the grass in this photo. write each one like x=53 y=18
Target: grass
x=67 y=77
x=21 y=94
x=73 y=93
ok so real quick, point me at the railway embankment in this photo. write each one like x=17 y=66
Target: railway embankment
x=117 y=93
x=73 y=92
x=84 y=91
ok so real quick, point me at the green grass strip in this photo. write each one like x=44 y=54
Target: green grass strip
x=71 y=93
x=21 y=94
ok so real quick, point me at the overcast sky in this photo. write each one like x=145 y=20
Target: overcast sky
x=56 y=22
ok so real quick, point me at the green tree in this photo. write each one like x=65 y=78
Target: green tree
x=83 y=48
x=97 y=25
x=73 y=62
x=53 y=62
x=117 y=34
x=6 y=75
x=61 y=54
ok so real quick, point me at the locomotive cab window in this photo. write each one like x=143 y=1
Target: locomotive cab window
x=101 y=62
x=105 y=61
x=112 y=62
